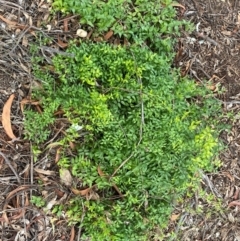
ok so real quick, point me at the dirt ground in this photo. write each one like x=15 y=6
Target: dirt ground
x=211 y=53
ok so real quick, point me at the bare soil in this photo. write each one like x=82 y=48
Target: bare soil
x=209 y=55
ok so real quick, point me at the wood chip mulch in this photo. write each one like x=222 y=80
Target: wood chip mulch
x=211 y=53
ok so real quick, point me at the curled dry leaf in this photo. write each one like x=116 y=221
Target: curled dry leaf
x=6 y=121
x=81 y=192
x=58 y=155
x=61 y=43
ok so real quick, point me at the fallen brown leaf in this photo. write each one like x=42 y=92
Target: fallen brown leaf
x=58 y=155
x=231 y=178
x=100 y=172
x=61 y=43
x=236 y=194
x=175 y=4
x=44 y=172
x=24 y=41
x=108 y=35
x=72 y=234
x=234 y=203
x=211 y=87
x=81 y=192
x=227 y=33
x=174 y=217
x=13 y=193
x=59 y=193
x=6 y=121
x=72 y=145
x=9 y=22
x=13 y=24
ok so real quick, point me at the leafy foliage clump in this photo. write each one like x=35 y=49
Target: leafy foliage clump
x=142 y=21
x=134 y=118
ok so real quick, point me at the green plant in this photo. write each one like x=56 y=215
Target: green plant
x=133 y=117
x=143 y=22
x=35 y=151
x=38 y=201
x=58 y=210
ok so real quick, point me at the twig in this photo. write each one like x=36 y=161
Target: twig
x=18 y=41
x=201 y=35
x=80 y=228
x=11 y=167
x=210 y=184
x=207 y=75
x=231 y=102
x=54 y=136
x=31 y=171
x=53 y=50
x=3 y=179
x=177 y=228
x=10 y=3
x=122 y=164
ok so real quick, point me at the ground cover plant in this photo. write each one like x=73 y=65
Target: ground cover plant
x=141 y=132
x=143 y=22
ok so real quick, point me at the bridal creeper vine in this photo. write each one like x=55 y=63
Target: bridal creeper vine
x=129 y=114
